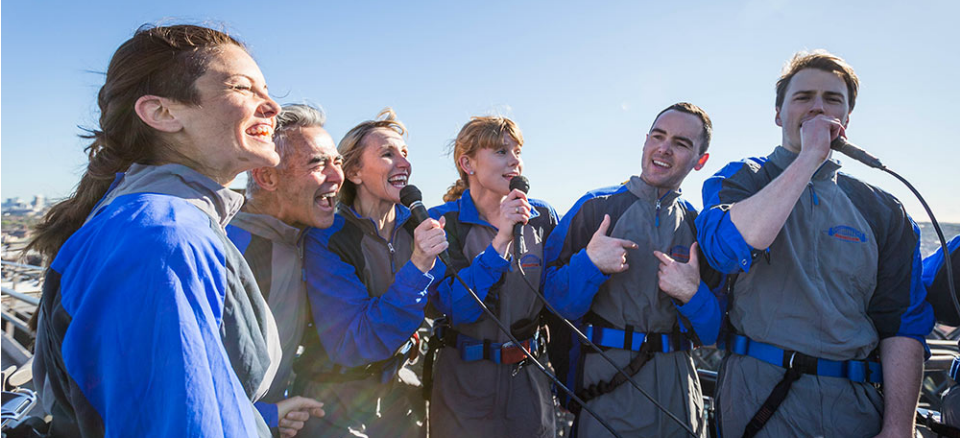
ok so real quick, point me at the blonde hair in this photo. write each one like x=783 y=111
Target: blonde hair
x=479 y=133
x=351 y=148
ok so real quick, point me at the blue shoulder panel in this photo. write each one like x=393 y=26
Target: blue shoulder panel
x=559 y=235
x=933 y=263
x=444 y=208
x=720 y=240
x=241 y=238
x=323 y=235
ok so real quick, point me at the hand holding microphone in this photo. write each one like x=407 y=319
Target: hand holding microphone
x=430 y=240
x=514 y=212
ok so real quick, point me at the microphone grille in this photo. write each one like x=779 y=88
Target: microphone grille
x=410 y=194
x=521 y=183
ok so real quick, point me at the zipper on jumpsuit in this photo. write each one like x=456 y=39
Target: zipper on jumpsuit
x=393 y=264
x=656 y=219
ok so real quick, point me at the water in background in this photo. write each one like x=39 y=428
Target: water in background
x=928 y=236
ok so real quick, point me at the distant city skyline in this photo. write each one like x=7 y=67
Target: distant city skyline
x=583 y=81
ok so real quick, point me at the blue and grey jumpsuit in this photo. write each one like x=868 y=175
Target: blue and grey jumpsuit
x=367 y=299
x=842 y=274
x=151 y=323
x=632 y=301
x=473 y=396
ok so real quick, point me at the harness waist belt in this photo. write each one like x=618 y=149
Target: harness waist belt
x=863 y=371
x=505 y=353
x=631 y=340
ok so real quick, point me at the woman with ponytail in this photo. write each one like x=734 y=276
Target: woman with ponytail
x=150 y=322
x=481 y=387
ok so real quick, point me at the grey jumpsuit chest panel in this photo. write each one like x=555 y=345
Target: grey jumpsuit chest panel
x=634 y=297
x=512 y=298
x=820 y=278
x=813 y=296
x=382 y=263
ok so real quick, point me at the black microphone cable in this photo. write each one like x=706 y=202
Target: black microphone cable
x=584 y=339
x=526 y=351
x=841 y=144
x=410 y=195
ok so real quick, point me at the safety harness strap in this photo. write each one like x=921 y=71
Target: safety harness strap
x=604 y=387
x=797 y=364
x=772 y=403
x=646 y=344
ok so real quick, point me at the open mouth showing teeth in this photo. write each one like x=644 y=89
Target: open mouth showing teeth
x=264 y=131
x=399 y=181
x=327 y=200
x=510 y=175
x=659 y=163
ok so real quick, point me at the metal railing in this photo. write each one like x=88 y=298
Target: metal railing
x=18 y=304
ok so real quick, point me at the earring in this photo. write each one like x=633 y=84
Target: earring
x=471 y=172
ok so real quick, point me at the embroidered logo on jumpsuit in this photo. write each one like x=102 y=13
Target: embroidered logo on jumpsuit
x=847 y=233
x=680 y=253
x=530 y=261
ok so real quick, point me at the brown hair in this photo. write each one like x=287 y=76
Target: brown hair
x=163 y=61
x=706 y=134
x=820 y=60
x=479 y=132
x=351 y=148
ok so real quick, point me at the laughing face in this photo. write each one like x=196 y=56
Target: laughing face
x=231 y=130
x=309 y=179
x=672 y=149
x=494 y=168
x=384 y=169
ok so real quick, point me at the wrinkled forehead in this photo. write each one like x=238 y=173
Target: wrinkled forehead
x=310 y=142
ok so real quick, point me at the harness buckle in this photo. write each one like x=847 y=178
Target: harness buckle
x=793 y=355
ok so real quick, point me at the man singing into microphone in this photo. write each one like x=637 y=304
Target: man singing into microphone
x=637 y=286
x=827 y=299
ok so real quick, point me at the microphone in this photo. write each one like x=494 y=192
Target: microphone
x=857 y=153
x=411 y=197
x=521 y=183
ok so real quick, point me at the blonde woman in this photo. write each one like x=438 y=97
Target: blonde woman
x=367 y=280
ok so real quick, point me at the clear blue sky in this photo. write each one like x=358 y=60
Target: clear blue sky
x=583 y=81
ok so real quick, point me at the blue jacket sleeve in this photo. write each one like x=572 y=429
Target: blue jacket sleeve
x=572 y=279
x=720 y=240
x=269 y=412
x=355 y=328
x=703 y=311
x=455 y=301
x=939 y=295
x=144 y=343
x=933 y=263
x=898 y=306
